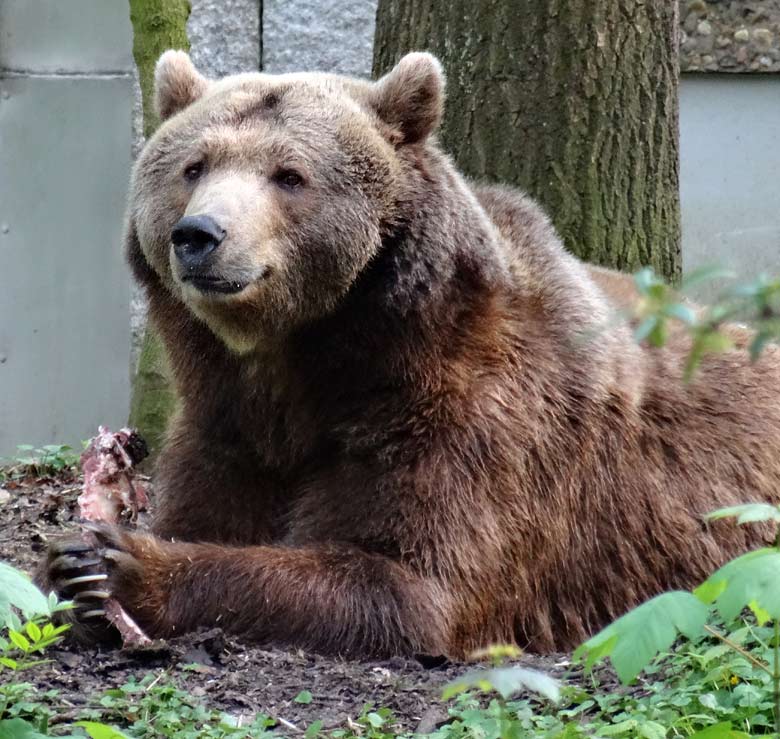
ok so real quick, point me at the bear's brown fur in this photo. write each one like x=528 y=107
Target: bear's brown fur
x=414 y=423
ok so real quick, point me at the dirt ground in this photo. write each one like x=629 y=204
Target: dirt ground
x=238 y=678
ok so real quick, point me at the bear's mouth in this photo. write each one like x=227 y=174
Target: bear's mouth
x=211 y=284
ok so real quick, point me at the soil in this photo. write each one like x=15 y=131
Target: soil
x=226 y=674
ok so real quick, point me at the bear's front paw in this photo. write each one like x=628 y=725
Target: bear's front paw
x=75 y=571
x=135 y=565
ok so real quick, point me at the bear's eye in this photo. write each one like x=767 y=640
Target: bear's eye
x=288 y=179
x=193 y=172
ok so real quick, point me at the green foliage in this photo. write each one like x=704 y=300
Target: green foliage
x=155 y=708
x=22 y=641
x=748 y=513
x=634 y=639
x=660 y=305
x=750 y=581
x=16 y=590
x=50 y=459
x=506 y=681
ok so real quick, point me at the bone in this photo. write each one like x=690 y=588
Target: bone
x=111 y=495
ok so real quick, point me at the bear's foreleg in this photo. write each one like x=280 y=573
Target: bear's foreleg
x=332 y=599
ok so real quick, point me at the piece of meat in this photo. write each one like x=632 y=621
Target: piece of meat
x=111 y=495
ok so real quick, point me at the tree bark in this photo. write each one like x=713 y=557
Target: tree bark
x=157 y=25
x=575 y=101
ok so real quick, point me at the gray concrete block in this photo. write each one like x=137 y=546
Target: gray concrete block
x=49 y=36
x=729 y=160
x=64 y=304
x=307 y=35
x=225 y=36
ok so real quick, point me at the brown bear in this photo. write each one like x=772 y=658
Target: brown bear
x=409 y=421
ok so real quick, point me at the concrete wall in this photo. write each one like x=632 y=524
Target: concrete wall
x=65 y=140
x=729 y=166
x=225 y=36
x=325 y=35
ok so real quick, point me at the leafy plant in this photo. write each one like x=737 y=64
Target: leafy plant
x=50 y=459
x=660 y=305
x=20 y=641
x=751 y=581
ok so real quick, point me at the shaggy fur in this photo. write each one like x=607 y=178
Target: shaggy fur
x=421 y=425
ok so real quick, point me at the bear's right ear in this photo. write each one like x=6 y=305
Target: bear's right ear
x=410 y=97
x=177 y=83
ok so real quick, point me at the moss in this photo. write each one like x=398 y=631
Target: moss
x=158 y=25
x=153 y=400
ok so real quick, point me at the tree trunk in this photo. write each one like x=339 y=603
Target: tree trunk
x=575 y=101
x=157 y=25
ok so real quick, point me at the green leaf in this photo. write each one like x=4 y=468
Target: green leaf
x=644 y=279
x=506 y=681
x=751 y=581
x=17 y=590
x=644 y=329
x=658 y=335
x=682 y=312
x=636 y=638
x=762 y=616
x=758 y=345
x=652 y=730
x=19 y=640
x=375 y=719
x=303 y=697
x=101 y=731
x=33 y=631
x=313 y=730
x=720 y=731
x=620 y=728
x=714 y=342
x=16 y=728
x=748 y=513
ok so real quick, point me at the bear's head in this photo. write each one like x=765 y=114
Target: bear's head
x=262 y=198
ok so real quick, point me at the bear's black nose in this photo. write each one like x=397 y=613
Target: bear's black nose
x=194 y=238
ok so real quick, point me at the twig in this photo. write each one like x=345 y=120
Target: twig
x=747 y=655
x=288 y=725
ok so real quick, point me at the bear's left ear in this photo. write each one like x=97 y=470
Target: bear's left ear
x=410 y=97
x=177 y=83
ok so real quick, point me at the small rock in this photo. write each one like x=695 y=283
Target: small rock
x=705 y=44
x=763 y=37
x=689 y=25
x=765 y=61
x=722 y=42
x=5 y=496
x=704 y=28
x=68 y=659
x=742 y=36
